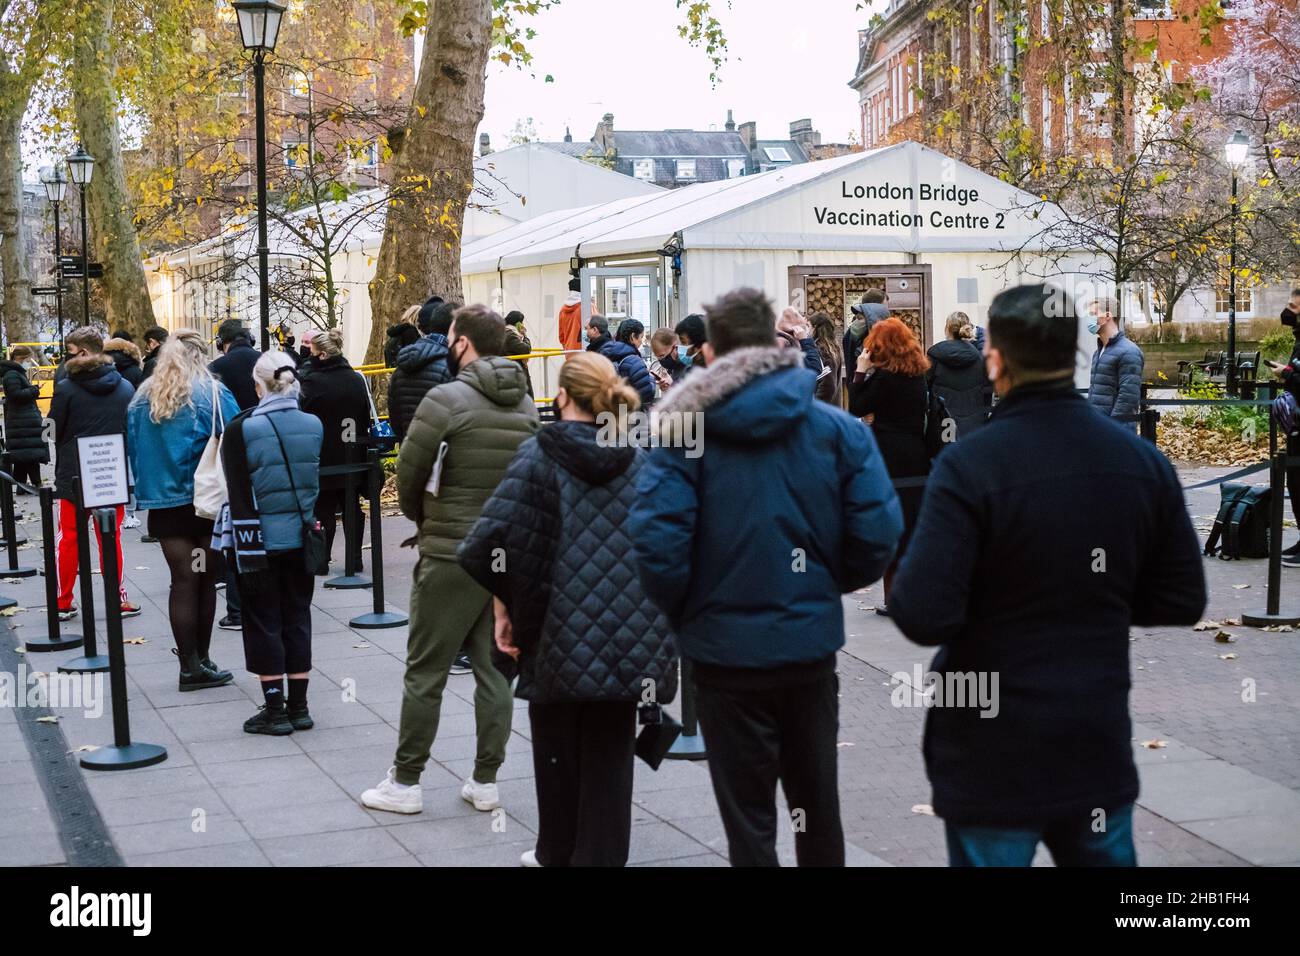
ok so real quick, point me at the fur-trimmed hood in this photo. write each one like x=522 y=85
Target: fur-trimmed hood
x=130 y=349
x=750 y=395
x=97 y=374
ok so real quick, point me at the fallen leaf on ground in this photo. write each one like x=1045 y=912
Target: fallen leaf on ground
x=83 y=749
x=47 y=720
x=135 y=640
x=1227 y=657
x=924 y=809
x=1240 y=587
x=11 y=611
x=845 y=743
x=1278 y=628
x=141 y=568
x=1155 y=744
x=1205 y=625
x=1232 y=622
x=1223 y=637
x=361 y=646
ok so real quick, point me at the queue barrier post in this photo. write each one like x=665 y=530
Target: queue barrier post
x=379 y=617
x=1273 y=615
x=123 y=754
x=689 y=744
x=11 y=530
x=55 y=639
x=91 y=661
x=351 y=578
x=9 y=535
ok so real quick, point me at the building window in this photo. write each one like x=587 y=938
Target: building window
x=686 y=169
x=1161 y=9
x=644 y=169
x=777 y=154
x=369 y=157
x=735 y=168
x=1245 y=299
x=911 y=90
x=300 y=84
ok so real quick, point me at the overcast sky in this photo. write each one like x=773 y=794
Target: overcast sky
x=788 y=59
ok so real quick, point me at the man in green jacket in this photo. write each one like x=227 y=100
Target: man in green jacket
x=463 y=436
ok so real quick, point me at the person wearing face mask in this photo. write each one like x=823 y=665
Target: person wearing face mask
x=670 y=358
x=625 y=352
x=693 y=334
x=1116 y=386
x=25 y=449
x=1025 y=601
x=459 y=445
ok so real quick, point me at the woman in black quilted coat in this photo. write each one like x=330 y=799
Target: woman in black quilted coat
x=553 y=548
x=25 y=448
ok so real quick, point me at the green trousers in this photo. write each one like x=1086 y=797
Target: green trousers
x=447 y=607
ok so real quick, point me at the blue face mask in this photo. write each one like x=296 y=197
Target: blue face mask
x=1093 y=328
x=683 y=355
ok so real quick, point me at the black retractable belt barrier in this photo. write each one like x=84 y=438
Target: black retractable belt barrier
x=123 y=754
x=351 y=578
x=689 y=744
x=1273 y=614
x=92 y=662
x=55 y=640
x=380 y=617
x=11 y=528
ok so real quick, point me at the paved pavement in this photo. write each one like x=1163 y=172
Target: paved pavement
x=1223 y=790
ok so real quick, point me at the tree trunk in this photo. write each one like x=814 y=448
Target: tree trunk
x=114 y=240
x=433 y=167
x=19 y=316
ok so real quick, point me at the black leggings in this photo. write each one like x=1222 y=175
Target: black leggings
x=1293 y=474
x=192 y=603
x=329 y=503
x=28 y=472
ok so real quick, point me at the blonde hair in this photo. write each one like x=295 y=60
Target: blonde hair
x=594 y=384
x=182 y=361
x=329 y=343
x=959 y=326
x=277 y=374
x=410 y=315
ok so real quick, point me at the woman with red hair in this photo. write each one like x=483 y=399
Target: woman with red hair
x=889 y=385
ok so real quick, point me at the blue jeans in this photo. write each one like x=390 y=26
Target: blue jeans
x=1072 y=842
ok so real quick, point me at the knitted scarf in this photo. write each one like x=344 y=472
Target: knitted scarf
x=246 y=524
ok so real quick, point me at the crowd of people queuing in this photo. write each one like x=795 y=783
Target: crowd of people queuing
x=575 y=572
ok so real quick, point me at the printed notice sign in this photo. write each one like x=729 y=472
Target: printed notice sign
x=102 y=460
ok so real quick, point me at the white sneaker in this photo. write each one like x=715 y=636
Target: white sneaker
x=130 y=521
x=484 y=796
x=528 y=858
x=393 y=797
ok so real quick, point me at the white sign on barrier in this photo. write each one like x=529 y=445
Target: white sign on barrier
x=102 y=462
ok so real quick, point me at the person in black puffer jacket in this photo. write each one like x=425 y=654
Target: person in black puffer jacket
x=570 y=610
x=957 y=375
x=625 y=352
x=234 y=369
x=420 y=366
x=154 y=337
x=25 y=448
x=336 y=394
x=126 y=358
x=401 y=335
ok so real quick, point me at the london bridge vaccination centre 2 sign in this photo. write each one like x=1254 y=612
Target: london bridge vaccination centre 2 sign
x=887 y=206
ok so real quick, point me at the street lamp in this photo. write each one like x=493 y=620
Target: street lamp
x=259 y=28
x=82 y=166
x=55 y=188
x=1236 y=150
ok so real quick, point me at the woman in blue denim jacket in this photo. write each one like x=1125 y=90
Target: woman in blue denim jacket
x=168 y=423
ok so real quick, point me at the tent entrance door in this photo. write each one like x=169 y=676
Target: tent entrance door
x=833 y=289
x=622 y=292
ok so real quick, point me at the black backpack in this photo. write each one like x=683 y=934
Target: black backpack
x=1241 y=526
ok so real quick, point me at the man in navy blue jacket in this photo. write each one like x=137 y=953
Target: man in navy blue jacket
x=746 y=540
x=1042 y=538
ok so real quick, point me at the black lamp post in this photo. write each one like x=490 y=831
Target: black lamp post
x=1236 y=150
x=82 y=166
x=259 y=28
x=55 y=189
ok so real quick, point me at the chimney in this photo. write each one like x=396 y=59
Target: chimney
x=484 y=144
x=731 y=123
x=604 y=137
x=568 y=137
x=749 y=134
x=802 y=132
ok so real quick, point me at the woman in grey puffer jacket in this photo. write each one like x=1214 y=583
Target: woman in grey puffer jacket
x=553 y=548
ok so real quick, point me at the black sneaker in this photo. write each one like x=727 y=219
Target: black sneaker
x=1291 y=551
x=1291 y=561
x=462 y=665
x=231 y=622
x=210 y=665
x=148 y=539
x=201 y=675
x=265 y=721
x=300 y=717
x=882 y=610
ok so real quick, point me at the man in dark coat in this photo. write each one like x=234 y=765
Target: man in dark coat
x=746 y=541
x=154 y=337
x=598 y=333
x=868 y=312
x=1029 y=592
x=234 y=368
x=1116 y=386
x=91 y=400
x=420 y=366
x=126 y=358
